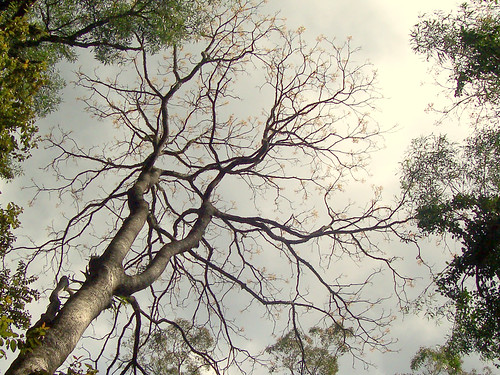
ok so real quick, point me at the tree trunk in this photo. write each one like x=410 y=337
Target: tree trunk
x=106 y=279
x=95 y=294
x=69 y=325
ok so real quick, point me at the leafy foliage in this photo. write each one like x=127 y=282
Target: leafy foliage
x=14 y=295
x=20 y=82
x=314 y=354
x=437 y=361
x=14 y=289
x=455 y=190
x=441 y=360
x=172 y=351
x=8 y=221
x=468 y=43
x=111 y=27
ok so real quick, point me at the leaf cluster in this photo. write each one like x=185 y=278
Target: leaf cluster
x=15 y=293
x=468 y=43
x=21 y=78
x=8 y=221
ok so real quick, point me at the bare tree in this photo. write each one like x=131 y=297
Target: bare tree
x=191 y=136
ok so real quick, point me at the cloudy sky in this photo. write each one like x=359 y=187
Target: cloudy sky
x=381 y=28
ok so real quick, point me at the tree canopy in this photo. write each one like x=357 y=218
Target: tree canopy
x=455 y=189
x=314 y=354
x=35 y=35
x=467 y=44
x=435 y=361
x=186 y=192
x=441 y=360
x=20 y=81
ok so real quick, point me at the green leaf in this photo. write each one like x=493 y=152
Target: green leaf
x=13 y=345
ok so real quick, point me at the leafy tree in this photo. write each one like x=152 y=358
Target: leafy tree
x=14 y=295
x=34 y=35
x=15 y=292
x=437 y=361
x=178 y=350
x=455 y=189
x=20 y=82
x=314 y=354
x=467 y=43
x=440 y=361
x=151 y=206
x=22 y=78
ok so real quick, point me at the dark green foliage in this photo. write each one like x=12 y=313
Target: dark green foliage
x=477 y=320
x=456 y=190
x=313 y=354
x=468 y=43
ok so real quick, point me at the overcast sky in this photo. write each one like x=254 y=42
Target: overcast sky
x=381 y=28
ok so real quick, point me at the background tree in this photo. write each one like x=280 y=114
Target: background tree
x=437 y=361
x=314 y=354
x=36 y=34
x=458 y=193
x=455 y=189
x=440 y=361
x=467 y=43
x=180 y=349
x=152 y=210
